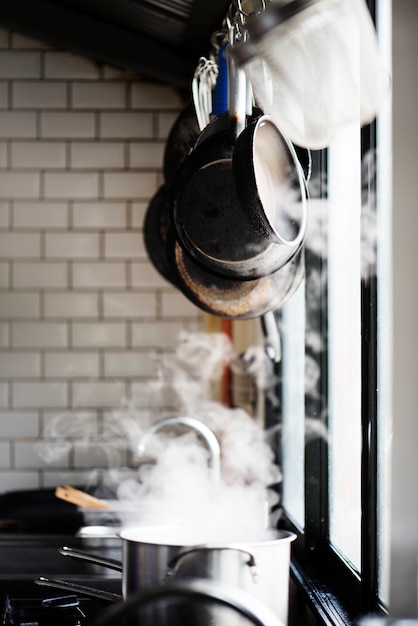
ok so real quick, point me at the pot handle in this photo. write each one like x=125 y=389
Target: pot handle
x=175 y=561
x=91 y=558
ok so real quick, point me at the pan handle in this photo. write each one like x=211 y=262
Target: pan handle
x=91 y=558
x=271 y=335
x=175 y=561
x=59 y=583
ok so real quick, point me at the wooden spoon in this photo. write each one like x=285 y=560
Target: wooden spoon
x=80 y=498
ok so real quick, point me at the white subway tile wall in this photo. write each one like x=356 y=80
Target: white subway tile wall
x=85 y=319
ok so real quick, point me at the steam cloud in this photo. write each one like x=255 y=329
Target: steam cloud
x=178 y=485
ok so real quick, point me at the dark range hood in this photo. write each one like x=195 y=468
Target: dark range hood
x=161 y=40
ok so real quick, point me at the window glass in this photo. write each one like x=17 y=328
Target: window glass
x=344 y=344
x=336 y=366
x=293 y=410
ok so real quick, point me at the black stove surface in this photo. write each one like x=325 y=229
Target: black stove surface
x=66 y=610
x=25 y=558
x=25 y=603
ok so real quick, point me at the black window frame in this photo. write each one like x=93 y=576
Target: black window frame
x=333 y=591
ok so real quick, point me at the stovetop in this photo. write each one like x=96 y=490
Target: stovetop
x=26 y=558
x=65 y=610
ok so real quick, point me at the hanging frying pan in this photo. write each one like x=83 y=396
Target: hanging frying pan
x=270 y=184
x=228 y=298
x=180 y=140
x=156 y=224
x=219 y=216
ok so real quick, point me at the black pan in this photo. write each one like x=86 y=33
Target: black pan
x=181 y=139
x=228 y=298
x=156 y=224
x=217 y=208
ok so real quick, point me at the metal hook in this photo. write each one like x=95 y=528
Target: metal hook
x=217 y=39
x=247 y=13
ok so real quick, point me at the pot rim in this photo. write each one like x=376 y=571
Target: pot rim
x=192 y=535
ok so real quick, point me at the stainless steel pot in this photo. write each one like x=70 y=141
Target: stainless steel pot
x=259 y=565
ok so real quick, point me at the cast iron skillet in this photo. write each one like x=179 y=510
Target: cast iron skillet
x=217 y=207
x=228 y=298
x=180 y=140
x=156 y=224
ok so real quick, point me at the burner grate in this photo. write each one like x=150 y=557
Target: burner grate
x=68 y=610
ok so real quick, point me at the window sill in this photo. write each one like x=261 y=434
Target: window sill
x=312 y=603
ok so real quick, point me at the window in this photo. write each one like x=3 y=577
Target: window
x=334 y=379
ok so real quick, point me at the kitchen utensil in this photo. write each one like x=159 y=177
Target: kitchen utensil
x=157 y=217
x=203 y=84
x=271 y=335
x=156 y=224
x=105 y=542
x=92 y=558
x=203 y=199
x=190 y=550
x=85 y=590
x=180 y=140
x=192 y=589
x=270 y=185
x=220 y=92
x=215 y=554
x=211 y=553
x=229 y=203
x=38 y=511
x=228 y=298
x=303 y=155
x=80 y=498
